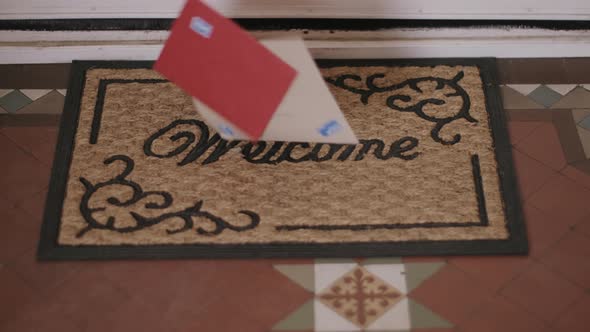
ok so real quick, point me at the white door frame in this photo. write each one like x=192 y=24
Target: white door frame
x=393 y=9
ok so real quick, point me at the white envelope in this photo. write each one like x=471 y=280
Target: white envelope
x=308 y=113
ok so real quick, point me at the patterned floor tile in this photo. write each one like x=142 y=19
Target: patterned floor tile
x=398 y=318
x=422 y=317
x=262 y=288
x=62 y=91
x=584 y=135
x=585 y=122
x=35 y=94
x=13 y=101
x=576 y=318
x=302 y=274
x=417 y=273
x=51 y=103
x=370 y=295
x=298 y=320
x=571 y=258
x=567 y=130
x=542 y=292
x=200 y=295
x=524 y=89
x=325 y=319
x=580 y=114
x=326 y=273
x=544 y=96
x=514 y=100
x=577 y=98
x=498 y=314
x=4 y=92
x=562 y=89
x=362 y=297
x=544 y=145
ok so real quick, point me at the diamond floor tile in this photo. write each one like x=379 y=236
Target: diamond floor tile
x=13 y=101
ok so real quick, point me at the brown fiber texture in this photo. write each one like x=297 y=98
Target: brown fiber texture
x=435 y=187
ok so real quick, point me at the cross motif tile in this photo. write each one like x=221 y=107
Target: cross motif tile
x=360 y=296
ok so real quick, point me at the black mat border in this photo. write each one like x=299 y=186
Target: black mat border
x=49 y=249
x=267 y=24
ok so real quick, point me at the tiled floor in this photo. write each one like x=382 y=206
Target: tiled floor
x=548 y=103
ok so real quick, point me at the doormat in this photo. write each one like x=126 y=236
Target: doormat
x=138 y=174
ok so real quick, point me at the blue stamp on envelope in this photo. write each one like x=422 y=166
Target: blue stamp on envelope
x=226 y=130
x=330 y=128
x=201 y=27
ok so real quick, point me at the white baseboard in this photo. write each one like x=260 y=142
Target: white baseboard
x=64 y=46
x=393 y=9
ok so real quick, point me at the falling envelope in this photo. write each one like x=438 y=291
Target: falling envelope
x=212 y=59
x=308 y=113
x=246 y=89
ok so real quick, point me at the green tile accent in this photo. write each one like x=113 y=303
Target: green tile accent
x=580 y=115
x=585 y=140
x=14 y=101
x=51 y=103
x=384 y=260
x=544 y=96
x=416 y=273
x=585 y=123
x=422 y=317
x=300 y=319
x=514 y=100
x=301 y=274
x=577 y=98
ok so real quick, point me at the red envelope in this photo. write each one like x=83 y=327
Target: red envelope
x=215 y=61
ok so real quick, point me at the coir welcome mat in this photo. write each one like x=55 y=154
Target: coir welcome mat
x=139 y=175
